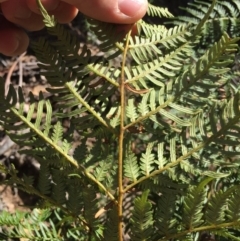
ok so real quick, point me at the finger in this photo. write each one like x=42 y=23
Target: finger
x=115 y=11
x=18 y=12
x=13 y=41
x=62 y=11
x=121 y=11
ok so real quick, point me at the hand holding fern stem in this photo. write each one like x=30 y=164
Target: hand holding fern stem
x=15 y=14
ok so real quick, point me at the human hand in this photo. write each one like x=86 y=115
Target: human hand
x=18 y=15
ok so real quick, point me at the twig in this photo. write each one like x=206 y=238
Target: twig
x=10 y=72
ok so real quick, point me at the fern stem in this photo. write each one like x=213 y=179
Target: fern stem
x=121 y=144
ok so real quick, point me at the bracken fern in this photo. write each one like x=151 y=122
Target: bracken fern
x=158 y=117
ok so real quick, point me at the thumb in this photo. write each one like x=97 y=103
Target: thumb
x=115 y=11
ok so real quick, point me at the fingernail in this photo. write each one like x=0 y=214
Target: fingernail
x=22 y=13
x=130 y=7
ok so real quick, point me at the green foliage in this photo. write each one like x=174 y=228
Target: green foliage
x=157 y=117
x=142 y=220
x=31 y=226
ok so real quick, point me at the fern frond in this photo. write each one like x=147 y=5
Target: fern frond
x=166 y=221
x=14 y=219
x=59 y=187
x=131 y=110
x=41 y=139
x=216 y=207
x=89 y=108
x=143 y=49
x=223 y=18
x=233 y=210
x=158 y=70
x=215 y=59
x=74 y=201
x=229 y=115
x=62 y=67
x=33 y=128
x=49 y=21
x=148 y=30
x=227 y=234
x=44 y=180
x=204 y=19
x=193 y=205
x=105 y=171
x=31 y=226
x=142 y=219
x=148 y=126
x=108 y=35
x=90 y=209
x=111 y=226
x=158 y=11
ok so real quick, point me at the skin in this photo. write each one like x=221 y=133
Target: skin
x=17 y=15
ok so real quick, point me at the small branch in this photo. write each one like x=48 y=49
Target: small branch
x=10 y=72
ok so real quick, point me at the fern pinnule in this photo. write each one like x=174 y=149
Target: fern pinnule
x=131 y=168
x=147 y=160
